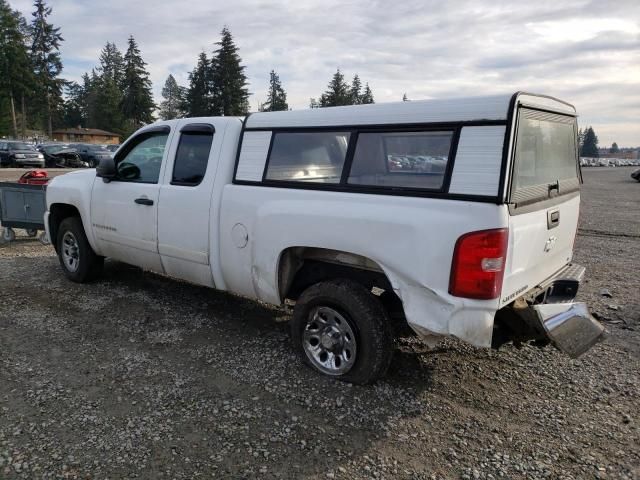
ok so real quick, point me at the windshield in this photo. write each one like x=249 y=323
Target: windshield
x=545 y=149
x=21 y=146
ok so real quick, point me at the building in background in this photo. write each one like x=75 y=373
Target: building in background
x=86 y=135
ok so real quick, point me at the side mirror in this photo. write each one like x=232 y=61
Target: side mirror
x=106 y=169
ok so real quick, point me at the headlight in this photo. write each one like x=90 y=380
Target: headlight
x=40 y=155
x=19 y=155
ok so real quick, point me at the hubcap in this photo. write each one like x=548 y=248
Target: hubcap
x=70 y=252
x=329 y=341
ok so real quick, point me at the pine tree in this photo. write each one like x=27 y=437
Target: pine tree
x=367 y=96
x=337 y=92
x=580 y=139
x=277 y=97
x=355 y=92
x=107 y=92
x=112 y=63
x=614 y=148
x=74 y=113
x=173 y=103
x=16 y=77
x=47 y=65
x=137 y=102
x=590 y=144
x=198 y=102
x=230 y=94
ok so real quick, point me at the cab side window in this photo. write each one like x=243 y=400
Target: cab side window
x=141 y=160
x=192 y=155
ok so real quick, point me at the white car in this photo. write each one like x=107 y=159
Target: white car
x=334 y=210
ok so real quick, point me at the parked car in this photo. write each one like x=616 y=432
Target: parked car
x=19 y=154
x=61 y=155
x=112 y=148
x=444 y=214
x=636 y=175
x=91 y=154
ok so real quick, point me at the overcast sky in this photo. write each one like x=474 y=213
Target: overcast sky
x=587 y=53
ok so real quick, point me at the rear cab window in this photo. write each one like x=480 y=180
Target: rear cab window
x=545 y=160
x=192 y=155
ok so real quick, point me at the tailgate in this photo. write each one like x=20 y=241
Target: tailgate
x=544 y=200
x=540 y=244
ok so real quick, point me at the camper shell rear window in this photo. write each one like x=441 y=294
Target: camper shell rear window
x=545 y=161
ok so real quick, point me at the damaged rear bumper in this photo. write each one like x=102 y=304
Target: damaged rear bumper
x=569 y=326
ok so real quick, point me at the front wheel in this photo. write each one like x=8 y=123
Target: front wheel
x=342 y=330
x=78 y=260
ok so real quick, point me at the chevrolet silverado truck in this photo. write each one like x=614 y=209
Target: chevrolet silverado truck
x=455 y=217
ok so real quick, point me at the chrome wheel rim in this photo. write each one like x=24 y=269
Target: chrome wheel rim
x=329 y=341
x=70 y=252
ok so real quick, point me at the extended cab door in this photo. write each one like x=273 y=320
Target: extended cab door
x=124 y=211
x=544 y=200
x=184 y=211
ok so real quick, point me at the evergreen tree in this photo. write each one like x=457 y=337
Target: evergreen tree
x=277 y=98
x=367 y=96
x=112 y=63
x=580 y=140
x=16 y=76
x=614 y=148
x=107 y=91
x=337 y=92
x=230 y=94
x=589 y=144
x=88 y=98
x=173 y=103
x=198 y=97
x=137 y=102
x=47 y=65
x=74 y=108
x=355 y=92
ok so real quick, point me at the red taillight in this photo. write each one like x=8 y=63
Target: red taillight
x=478 y=264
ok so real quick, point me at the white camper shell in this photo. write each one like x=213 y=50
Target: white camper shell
x=457 y=216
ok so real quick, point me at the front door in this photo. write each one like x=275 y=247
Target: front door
x=124 y=211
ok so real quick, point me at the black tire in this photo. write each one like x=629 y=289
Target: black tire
x=89 y=265
x=365 y=315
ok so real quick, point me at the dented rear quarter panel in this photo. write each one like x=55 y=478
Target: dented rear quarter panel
x=412 y=239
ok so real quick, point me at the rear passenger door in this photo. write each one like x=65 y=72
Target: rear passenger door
x=185 y=201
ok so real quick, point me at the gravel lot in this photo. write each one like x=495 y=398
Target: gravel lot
x=139 y=376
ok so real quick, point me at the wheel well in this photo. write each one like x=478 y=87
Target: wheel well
x=301 y=267
x=57 y=213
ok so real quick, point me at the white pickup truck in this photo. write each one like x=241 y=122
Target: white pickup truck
x=456 y=217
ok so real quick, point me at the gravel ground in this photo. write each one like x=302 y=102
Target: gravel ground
x=139 y=376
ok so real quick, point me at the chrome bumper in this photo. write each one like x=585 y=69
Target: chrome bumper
x=569 y=326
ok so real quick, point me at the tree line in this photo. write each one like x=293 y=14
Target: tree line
x=116 y=95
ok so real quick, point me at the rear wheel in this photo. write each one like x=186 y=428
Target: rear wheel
x=342 y=330
x=78 y=260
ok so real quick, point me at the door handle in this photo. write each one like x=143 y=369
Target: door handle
x=553 y=219
x=143 y=201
